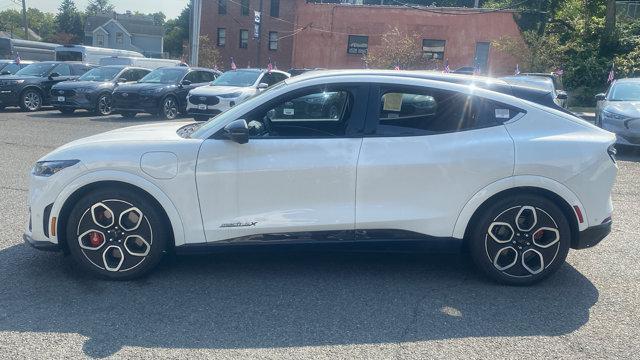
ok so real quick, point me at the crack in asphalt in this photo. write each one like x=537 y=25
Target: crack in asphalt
x=13 y=188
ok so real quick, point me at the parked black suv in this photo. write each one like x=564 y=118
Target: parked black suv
x=92 y=91
x=163 y=91
x=10 y=67
x=30 y=87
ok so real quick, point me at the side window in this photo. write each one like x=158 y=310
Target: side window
x=411 y=112
x=139 y=74
x=316 y=113
x=267 y=78
x=128 y=74
x=193 y=77
x=206 y=76
x=277 y=77
x=62 y=70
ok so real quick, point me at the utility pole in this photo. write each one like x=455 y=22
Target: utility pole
x=476 y=3
x=259 y=36
x=196 y=16
x=24 y=19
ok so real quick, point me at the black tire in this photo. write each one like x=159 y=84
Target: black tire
x=169 y=108
x=67 y=111
x=104 y=105
x=112 y=247
x=31 y=100
x=128 y=114
x=200 y=118
x=519 y=259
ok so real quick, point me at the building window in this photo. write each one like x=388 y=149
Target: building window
x=222 y=36
x=222 y=7
x=244 y=8
x=99 y=40
x=358 y=44
x=273 y=40
x=119 y=38
x=275 y=8
x=433 y=49
x=244 y=38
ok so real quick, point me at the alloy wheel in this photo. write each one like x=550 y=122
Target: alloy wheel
x=32 y=101
x=522 y=241
x=170 y=108
x=104 y=105
x=114 y=235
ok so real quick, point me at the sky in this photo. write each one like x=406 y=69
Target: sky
x=171 y=8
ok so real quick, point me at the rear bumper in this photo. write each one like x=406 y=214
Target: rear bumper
x=592 y=236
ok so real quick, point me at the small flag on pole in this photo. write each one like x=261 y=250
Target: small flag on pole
x=269 y=66
x=559 y=72
x=447 y=69
x=612 y=73
x=517 y=72
x=233 y=65
x=397 y=67
x=18 y=58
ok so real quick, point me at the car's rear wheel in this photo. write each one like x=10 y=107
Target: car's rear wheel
x=116 y=233
x=31 y=100
x=103 y=105
x=67 y=111
x=128 y=114
x=169 y=108
x=520 y=240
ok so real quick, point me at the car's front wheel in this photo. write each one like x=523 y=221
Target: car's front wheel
x=116 y=233
x=103 y=105
x=520 y=240
x=31 y=100
x=169 y=108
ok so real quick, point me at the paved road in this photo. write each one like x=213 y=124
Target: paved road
x=305 y=305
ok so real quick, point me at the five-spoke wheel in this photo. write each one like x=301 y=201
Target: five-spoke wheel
x=116 y=233
x=169 y=108
x=520 y=240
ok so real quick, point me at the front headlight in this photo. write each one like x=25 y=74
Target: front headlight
x=18 y=82
x=48 y=168
x=612 y=116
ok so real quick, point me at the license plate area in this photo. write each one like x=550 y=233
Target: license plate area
x=61 y=98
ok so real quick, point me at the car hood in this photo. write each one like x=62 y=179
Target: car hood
x=219 y=90
x=72 y=85
x=141 y=86
x=628 y=108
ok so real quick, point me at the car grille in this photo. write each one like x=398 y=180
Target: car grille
x=58 y=92
x=207 y=100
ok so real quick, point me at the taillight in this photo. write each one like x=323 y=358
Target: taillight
x=611 y=150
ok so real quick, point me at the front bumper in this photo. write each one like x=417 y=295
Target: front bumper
x=211 y=110
x=79 y=101
x=40 y=245
x=592 y=236
x=8 y=97
x=136 y=103
x=625 y=134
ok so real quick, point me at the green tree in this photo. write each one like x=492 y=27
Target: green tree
x=99 y=6
x=69 y=22
x=396 y=49
x=177 y=33
x=209 y=56
x=40 y=22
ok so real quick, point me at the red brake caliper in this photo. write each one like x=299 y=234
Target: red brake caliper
x=96 y=239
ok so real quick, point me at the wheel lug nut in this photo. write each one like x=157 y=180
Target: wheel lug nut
x=528 y=243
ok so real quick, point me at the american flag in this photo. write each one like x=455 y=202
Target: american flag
x=269 y=65
x=517 y=72
x=397 y=67
x=447 y=69
x=17 y=58
x=559 y=72
x=233 y=65
x=612 y=73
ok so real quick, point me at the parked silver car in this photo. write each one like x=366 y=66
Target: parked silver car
x=618 y=111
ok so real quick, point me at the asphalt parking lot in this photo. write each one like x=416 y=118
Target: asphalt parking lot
x=305 y=305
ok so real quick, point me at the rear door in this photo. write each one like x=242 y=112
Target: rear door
x=295 y=178
x=197 y=78
x=426 y=151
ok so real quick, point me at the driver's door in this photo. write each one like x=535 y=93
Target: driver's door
x=295 y=178
x=63 y=72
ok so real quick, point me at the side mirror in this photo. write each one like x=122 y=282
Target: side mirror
x=562 y=95
x=237 y=131
x=262 y=86
x=600 y=97
x=53 y=75
x=186 y=82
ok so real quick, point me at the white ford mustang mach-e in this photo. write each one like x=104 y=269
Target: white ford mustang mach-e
x=397 y=158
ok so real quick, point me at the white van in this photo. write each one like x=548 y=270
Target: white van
x=147 y=63
x=90 y=54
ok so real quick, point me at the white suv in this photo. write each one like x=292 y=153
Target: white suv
x=230 y=89
x=336 y=157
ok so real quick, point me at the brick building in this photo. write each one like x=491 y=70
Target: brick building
x=301 y=33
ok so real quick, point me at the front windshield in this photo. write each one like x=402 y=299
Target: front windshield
x=164 y=76
x=39 y=69
x=245 y=106
x=241 y=78
x=100 y=74
x=627 y=91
